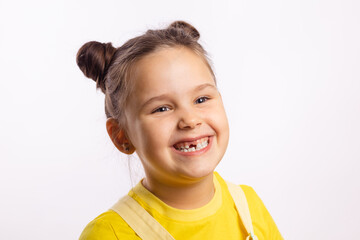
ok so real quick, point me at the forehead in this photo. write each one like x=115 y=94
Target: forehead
x=170 y=70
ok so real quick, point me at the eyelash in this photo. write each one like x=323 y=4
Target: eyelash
x=196 y=102
x=206 y=98
x=158 y=109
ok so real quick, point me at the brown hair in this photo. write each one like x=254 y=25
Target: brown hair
x=111 y=67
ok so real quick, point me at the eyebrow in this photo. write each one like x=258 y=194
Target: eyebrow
x=165 y=95
x=205 y=85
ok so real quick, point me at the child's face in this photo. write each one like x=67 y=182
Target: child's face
x=174 y=105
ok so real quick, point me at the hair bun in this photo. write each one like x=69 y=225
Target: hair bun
x=93 y=59
x=188 y=28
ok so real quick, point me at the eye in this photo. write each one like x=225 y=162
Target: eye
x=161 y=109
x=201 y=100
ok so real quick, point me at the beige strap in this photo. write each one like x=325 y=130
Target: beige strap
x=144 y=225
x=242 y=207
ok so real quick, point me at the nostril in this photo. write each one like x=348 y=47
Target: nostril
x=189 y=124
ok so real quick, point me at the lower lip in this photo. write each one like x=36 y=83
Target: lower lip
x=195 y=153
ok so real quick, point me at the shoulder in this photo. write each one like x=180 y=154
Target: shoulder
x=108 y=225
x=251 y=195
x=264 y=225
x=256 y=205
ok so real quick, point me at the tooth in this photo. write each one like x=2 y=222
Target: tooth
x=200 y=144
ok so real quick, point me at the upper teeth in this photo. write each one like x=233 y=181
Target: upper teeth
x=200 y=144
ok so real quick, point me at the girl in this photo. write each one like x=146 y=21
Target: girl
x=162 y=102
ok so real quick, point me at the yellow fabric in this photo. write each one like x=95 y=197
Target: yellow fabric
x=216 y=220
x=144 y=225
x=242 y=207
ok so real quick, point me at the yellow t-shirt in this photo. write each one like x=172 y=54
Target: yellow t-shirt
x=216 y=220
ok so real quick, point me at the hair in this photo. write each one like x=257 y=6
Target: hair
x=111 y=67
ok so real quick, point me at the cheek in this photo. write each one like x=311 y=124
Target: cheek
x=218 y=114
x=154 y=133
x=220 y=122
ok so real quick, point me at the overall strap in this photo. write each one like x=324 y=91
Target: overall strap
x=144 y=225
x=242 y=207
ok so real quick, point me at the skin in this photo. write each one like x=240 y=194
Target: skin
x=174 y=98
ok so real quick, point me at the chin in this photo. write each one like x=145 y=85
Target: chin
x=198 y=172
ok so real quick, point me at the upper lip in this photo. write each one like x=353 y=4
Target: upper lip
x=191 y=139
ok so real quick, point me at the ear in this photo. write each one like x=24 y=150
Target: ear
x=118 y=136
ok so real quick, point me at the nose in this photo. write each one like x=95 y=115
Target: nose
x=189 y=120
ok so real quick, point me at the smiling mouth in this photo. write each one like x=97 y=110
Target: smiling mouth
x=192 y=146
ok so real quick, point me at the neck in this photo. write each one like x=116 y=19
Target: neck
x=183 y=196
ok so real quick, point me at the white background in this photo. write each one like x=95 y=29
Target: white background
x=289 y=73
